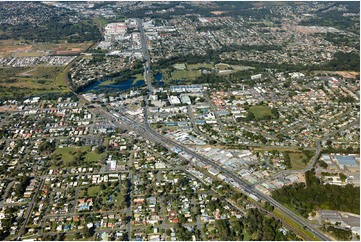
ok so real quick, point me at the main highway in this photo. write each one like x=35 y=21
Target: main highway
x=230 y=174
x=144 y=130
x=146 y=57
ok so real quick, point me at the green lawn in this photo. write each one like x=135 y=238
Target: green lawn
x=10 y=72
x=300 y=230
x=279 y=149
x=47 y=72
x=192 y=67
x=93 y=156
x=222 y=66
x=93 y=191
x=68 y=153
x=120 y=199
x=246 y=237
x=62 y=77
x=296 y=161
x=138 y=78
x=46 y=78
x=100 y=22
x=241 y=68
x=260 y=111
x=178 y=75
x=170 y=176
x=81 y=193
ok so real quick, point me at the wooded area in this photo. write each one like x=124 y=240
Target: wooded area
x=313 y=195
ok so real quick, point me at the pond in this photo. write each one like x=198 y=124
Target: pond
x=159 y=78
x=123 y=86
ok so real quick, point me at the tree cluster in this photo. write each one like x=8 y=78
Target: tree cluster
x=313 y=195
x=341 y=234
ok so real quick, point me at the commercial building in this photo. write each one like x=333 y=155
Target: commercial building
x=346 y=161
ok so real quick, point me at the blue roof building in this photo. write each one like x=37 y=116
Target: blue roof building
x=348 y=161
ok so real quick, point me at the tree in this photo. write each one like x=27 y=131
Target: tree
x=287 y=160
x=86 y=232
x=100 y=149
x=315 y=195
x=47 y=147
x=342 y=177
x=250 y=116
x=77 y=236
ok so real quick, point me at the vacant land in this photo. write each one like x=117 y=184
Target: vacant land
x=8 y=73
x=180 y=75
x=298 y=161
x=62 y=78
x=47 y=72
x=40 y=77
x=192 y=67
x=222 y=66
x=94 y=157
x=93 y=191
x=11 y=46
x=21 y=82
x=20 y=49
x=31 y=54
x=69 y=154
x=240 y=68
x=260 y=111
x=137 y=78
x=62 y=49
x=100 y=22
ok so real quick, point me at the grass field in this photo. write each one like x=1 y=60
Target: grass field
x=71 y=237
x=222 y=66
x=107 y=82
x=31 y=81
x=41 y=77
x=138 y=77
x=58 y=48
x=47 y=72
x=10 y=72
x=260 y=111
x=30 y=54
x=68 y=153
x=62 y=77
x=120 y=199
x=100 y=22
x=279 y=149
x=178 y=75
x=81 y=193
x=192 y=67
x=23 y=84
x=93 y=156
x=305 y=234
x=296 y=161
x=11 y=47
x=246 y=237
x=192 y=71
x=241 y=68
x=93 y=191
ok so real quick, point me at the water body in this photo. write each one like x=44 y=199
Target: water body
x=159 y=78
x=123 y=86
